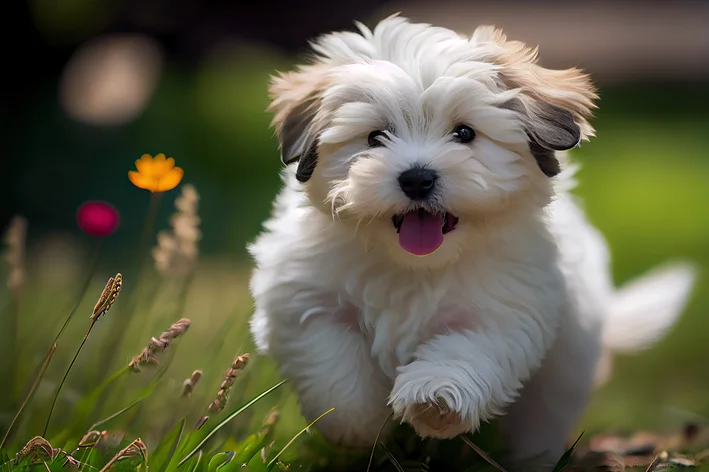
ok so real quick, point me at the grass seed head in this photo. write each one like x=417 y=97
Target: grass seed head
x=177 y=250
x=135 y=449
x=190 y=383
x=270 y=421
x=220 y=401
x=37 y=449
x=91 y=438
x=108 y=296
x=158 y=345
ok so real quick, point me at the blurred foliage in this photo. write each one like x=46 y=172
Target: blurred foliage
x=644 y=181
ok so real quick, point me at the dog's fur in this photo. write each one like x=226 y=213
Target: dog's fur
x=510 y=316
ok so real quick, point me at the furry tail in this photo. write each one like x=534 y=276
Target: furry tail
x=643 y=311
x=646 y=308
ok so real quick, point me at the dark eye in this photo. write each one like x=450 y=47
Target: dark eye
x=463 y=133
x=375 y=138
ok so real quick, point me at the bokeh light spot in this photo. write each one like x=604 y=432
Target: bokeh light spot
x=109 y=80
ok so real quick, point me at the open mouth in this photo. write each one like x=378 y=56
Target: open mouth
x=421 y=232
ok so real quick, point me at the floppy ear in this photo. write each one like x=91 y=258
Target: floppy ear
x=549 y=129
x=298 y=142
x=296 y=101
x=553 y=128
x=555 y=105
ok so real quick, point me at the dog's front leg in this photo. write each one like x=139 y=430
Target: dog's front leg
x=460 y=379
x=328 y=362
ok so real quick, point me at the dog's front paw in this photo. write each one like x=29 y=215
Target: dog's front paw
x=432 y=402
x=434 y=420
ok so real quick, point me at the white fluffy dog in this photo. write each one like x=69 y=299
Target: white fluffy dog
x=425 y=256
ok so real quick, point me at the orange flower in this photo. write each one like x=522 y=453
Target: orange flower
x=157 y=175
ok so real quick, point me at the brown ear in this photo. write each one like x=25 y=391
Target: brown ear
x=296 y=101
x=555 y=105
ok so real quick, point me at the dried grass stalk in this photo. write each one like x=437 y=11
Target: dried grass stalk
x=158 y=345
x=220 y=401
x=269 y=421
x=15 y=241
x=190 y=383
x=201 y=422
x=267 y=429
x=90 y=440
x=134 y=449
x=177 y=250
x=39 y=450
x=36 y=449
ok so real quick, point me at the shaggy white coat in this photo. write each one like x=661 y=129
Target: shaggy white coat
x=510 y=316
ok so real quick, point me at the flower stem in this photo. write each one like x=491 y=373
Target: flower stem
x=84 y=289
x=148 y=227
x=40 y=374
x=66 y=374
x=146 y=236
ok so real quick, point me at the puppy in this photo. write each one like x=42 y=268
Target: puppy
x=425 y=256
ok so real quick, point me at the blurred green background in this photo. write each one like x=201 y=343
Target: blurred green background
x=72 y=130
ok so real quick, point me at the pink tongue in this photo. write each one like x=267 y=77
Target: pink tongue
x=421 y=232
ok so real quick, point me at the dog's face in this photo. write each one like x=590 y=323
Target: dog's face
x=416 y=137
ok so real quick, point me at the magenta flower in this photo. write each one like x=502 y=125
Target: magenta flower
x=98 y=219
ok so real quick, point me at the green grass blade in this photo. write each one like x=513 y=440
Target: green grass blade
x=228 y=419
x=8 y=465
x=482 y=454
x=146 y=393
x=247 y=450
x=273 y=461
x=256 y=464
x=391 y=458
x=167 y=447
x=91 y=461
x=197 y=463
x=87 y=403
x=5 y=462
x=116 y=414
x=566 y=458
x=376 y=441
x=220 y=459
x=38 y=379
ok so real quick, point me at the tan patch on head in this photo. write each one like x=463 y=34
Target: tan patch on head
x=569 y=89
x=289 y=89
x=296 y=98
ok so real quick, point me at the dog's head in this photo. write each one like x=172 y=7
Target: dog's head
x=416 y=136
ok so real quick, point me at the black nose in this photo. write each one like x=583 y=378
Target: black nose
x=417 y=183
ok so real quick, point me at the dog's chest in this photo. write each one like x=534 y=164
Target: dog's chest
x=396 y=315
